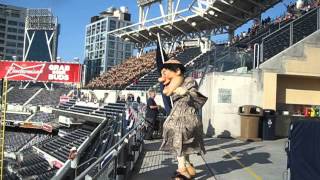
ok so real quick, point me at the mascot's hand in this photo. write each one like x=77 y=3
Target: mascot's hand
x=181 y=91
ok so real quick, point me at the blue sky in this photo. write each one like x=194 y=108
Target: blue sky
x=73 y=15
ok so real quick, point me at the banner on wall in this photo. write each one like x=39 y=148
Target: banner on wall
x=40 y=71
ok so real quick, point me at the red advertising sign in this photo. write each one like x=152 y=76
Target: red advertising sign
x=47 y=127
x=40 y=71
x=64 y=99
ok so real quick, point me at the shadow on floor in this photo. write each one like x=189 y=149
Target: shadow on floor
x=244 y=157
x=163 y=169
x=237 y=144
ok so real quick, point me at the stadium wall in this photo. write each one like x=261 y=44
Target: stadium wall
x=226 y=92
x=293 y=76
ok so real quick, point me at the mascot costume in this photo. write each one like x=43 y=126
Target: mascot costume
x=182 y=130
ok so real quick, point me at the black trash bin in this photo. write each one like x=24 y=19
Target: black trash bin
x=268 y=124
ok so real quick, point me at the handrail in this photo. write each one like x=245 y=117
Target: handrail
x=291 y=23
x=123 y=140
x=62 y=171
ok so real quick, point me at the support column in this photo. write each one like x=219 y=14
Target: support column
x=170 y=9
x=141 y=15
x=230 y=34
x=269 y=97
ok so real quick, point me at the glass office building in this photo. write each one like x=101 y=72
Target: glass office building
x=103 y=51
x=12 y=24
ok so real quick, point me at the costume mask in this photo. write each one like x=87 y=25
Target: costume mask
x=171 y=76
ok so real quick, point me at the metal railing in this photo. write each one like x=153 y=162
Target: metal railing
x=119 y=160
x=289 y=34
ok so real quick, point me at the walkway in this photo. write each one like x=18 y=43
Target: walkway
x=226 y=159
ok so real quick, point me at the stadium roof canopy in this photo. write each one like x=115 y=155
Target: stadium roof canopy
x=210 y=17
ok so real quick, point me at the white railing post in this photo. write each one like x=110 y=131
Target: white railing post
x=256 y=55
x=291 y=34
x=318 y=18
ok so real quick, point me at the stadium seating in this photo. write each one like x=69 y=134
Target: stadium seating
x=31 y=166
x=208 y=58
x=20 y=96
x=7 y=174
x=37 y=140
x=145 y=82
x=110 y=110
x=60 y=147
x=15 y=140
x=51 y=97
x=67 y=105
x=280 y=40
x=124 y=74
x=151 y=79
x=42 y=117
x=188 y=54
x=101 y=143
x=16 y=116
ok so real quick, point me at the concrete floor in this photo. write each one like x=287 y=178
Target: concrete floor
x=226 y=159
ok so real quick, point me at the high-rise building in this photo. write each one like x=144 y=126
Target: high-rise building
x=41 y=36
x=103 y=51
x=12 y=24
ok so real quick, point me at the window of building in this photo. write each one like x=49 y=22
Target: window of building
x=101 y=53
x=127 y=55
x=112 y=25
x=112 y=38
x=1 y=41
x=102 y=37
x=111 y=53
x=11 y=44
x=19 y=44
x=128 y=47
x=21 y=31
x=1 y=35
x=111 y=62
x=120 y=47
x=16 y=15
x=103 y=26
x=120 y=55
x=20 y=38
x=11 y=51
x=112 y=45
x=1 y=49
x=101 y=45
x=19 y=52
x=21 y=24
x=13 y=23
x=2 y=28
x=93 y=30
x=12 y=37
x=97 y=38
x=14 y=30
x=2 y=21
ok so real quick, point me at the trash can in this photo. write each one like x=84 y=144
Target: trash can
x=317 y=112
x=268 y=124
x=250 y=117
